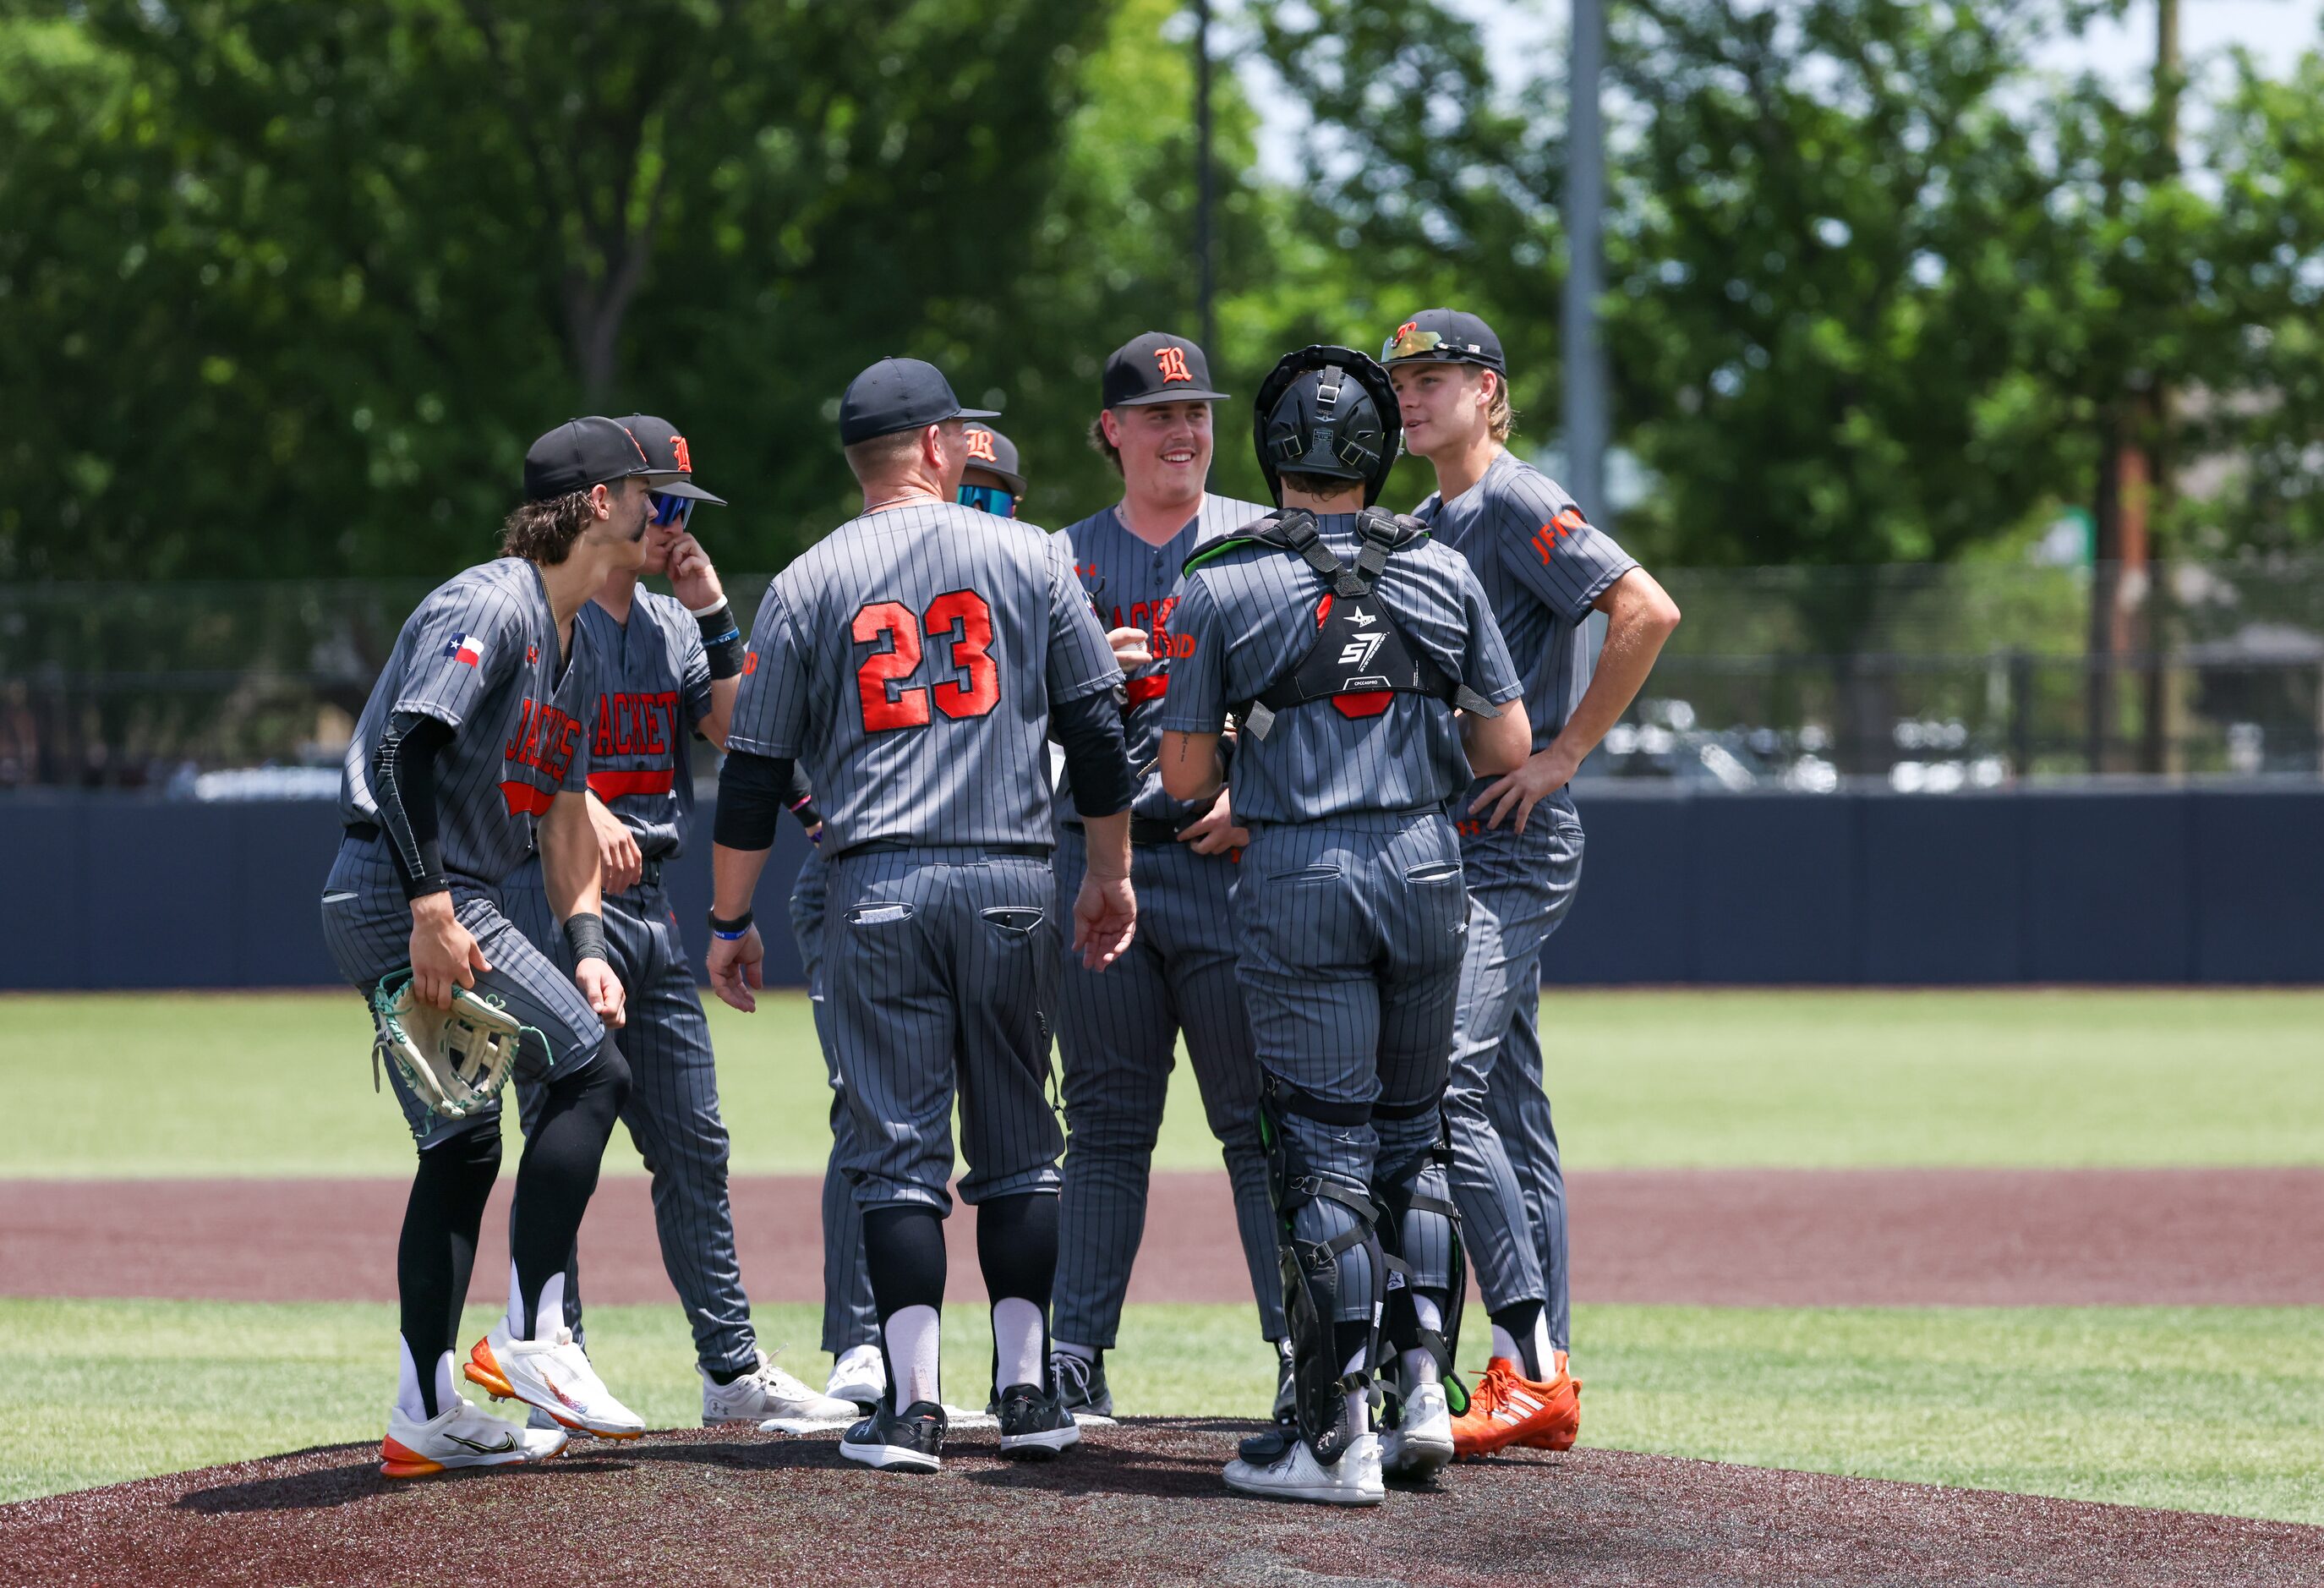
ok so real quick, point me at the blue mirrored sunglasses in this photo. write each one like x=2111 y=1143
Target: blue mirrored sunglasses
x=671 y=509
x=992 y=499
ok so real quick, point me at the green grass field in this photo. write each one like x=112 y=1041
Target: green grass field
x=2214 y=1409
x=281 y=1085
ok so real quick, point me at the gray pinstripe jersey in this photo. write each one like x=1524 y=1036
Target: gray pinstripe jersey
x=1135 y=586
x=1541 y=565
x=910 y=659
x=653 y=685
x=480 y=656
x=1244 y=621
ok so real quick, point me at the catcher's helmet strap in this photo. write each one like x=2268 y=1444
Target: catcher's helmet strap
x=1285 y=438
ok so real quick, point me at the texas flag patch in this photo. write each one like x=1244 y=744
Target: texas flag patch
x=469 y=648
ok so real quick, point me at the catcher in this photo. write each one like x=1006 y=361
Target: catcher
x=469 y=751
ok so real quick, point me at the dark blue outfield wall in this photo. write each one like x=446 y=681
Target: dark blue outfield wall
x=2171 y=886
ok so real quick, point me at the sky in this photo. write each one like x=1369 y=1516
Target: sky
x=2277 y=31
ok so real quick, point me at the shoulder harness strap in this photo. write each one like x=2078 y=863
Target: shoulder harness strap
x=1358 y=660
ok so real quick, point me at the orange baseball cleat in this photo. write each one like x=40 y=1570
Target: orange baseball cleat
x=1562 y=1434
x=1508 y=1409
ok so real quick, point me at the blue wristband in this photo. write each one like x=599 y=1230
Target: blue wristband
x=729 y=931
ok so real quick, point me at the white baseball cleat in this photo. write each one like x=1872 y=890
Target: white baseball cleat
x=859 y=1376
x=553 y=1375
x=534 y=1417
x=1353 y=1480
x=463 y=1435
x=1421 y=1444
x=768 y=1392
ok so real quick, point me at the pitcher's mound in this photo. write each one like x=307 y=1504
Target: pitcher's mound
x=1137 y=1503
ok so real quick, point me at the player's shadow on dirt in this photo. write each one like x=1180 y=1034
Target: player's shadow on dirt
x=327 y=1487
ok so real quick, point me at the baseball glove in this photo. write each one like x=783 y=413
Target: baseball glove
x=456 y=1060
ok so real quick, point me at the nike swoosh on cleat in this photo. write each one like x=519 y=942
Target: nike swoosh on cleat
x=507 y=1443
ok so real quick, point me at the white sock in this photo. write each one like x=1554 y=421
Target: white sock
x=1506 y=1347
x=408 y=1399
x=1086 y=1353
x=1016 y=1343
x=1544 y=1352
x=548 y=1313
x=914 y=1356
x=1359 y=1409
x=1419 y=1366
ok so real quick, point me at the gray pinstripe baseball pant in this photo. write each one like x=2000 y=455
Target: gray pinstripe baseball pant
x=672 y=1110
x=1506 y=1175
x=850 y=1318
x=939 y=971
x=367 y=931
x=1117 y=1041
x=1351 y=933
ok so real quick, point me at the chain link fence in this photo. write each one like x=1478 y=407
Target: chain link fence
x=1922 y=678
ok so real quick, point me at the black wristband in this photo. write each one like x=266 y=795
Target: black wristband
x=808 y=816
x=586 y=935
x=721 y=640
x=740 y=926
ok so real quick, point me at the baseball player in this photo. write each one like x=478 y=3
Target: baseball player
x=1369 y=682
x=667 y=669
x=1543 y=569
x=1118 y=1033
x=918 y=659
x=472 y=748
x=992 y=482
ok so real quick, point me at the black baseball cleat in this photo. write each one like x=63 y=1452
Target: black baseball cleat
x=1081 y=1384
x=1034 y=1425
x=911 y=1442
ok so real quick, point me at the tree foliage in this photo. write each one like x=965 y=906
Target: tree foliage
x=286 y=286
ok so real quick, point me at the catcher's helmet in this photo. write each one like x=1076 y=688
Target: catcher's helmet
x=1328 y=412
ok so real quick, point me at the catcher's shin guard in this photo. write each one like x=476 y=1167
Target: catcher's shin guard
x=1398 y=1202
x=1321 y=1382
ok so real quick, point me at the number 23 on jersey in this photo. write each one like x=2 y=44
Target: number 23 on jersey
x=961 y=620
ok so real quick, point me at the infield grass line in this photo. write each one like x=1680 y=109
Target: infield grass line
x=137 y=1084
x=2199 y=1408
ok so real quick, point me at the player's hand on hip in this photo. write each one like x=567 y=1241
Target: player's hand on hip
x=617 y=851
x=737 y=966
x=692 y=579
x=1214 y=831
x=1105 y=918
x=1545 y=772
x=1131 y=647
x=444 y=953
x=602 y=989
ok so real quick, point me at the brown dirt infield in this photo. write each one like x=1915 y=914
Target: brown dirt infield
x=1742 y=1237
x=1139 y=1504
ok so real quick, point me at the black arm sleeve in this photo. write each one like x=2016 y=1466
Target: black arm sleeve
x=751 y=794
x=799 y=795
x=404 y=784
x=1096 y=758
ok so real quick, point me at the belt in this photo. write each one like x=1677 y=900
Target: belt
x=902 y=846
x=649 y=876
x=1150 y=831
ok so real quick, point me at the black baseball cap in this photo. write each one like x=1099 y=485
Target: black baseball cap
x=996 y=455
x=665 y=448
x=1445 y=336
x=900 y=394
x=1156 y=367
x=585 y=452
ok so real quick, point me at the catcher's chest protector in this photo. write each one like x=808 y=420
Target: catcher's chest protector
x=1358 y=660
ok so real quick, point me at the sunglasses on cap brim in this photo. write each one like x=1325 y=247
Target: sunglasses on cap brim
x=1417 y=344
x=995 y=500
x=669 y=509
